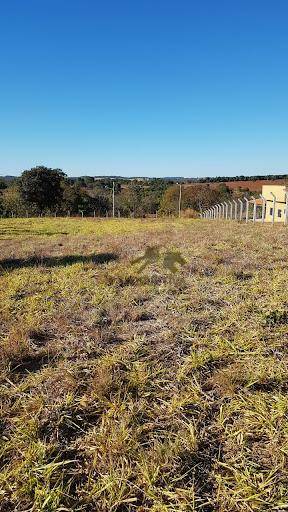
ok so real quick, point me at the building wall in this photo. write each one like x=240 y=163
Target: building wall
x=280 y=206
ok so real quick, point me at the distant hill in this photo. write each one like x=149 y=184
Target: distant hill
x=7 y=177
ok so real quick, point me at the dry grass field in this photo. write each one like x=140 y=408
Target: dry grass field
x=125 y=390
x=252 y=186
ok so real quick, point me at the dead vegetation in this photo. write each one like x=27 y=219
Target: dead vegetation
x=124 y=390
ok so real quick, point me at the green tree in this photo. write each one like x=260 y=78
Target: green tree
x=97 y=203
x=72 y=198
x=129 y=201
x=42 y=187
x=194 y=197
x=3 y=184
x=13 y=203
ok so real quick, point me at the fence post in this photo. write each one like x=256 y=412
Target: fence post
x=235 y=202
x=254 y=209
x=274 y=205
x=247 y=209
x=230 y=210
x=113 y=200
x=223 y=210
x=179 y=200
x=226 y=210
x=263 y=208
x=286 y=210
x=241 y=209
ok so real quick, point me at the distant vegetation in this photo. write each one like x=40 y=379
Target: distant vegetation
x=44 y=191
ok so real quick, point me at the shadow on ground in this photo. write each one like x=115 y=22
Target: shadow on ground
x=54 y=261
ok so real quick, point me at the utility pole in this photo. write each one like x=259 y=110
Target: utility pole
x=180 y=198
x=113 y=200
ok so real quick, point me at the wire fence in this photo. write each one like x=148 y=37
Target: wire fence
x=81 y=214
x=251 y=209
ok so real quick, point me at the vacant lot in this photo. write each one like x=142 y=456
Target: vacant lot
x=125 y=389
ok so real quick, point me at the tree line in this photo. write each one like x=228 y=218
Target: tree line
x=46 y=191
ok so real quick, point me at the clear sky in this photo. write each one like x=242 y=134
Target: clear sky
x=144 y=87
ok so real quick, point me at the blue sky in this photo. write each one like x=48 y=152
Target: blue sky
x=150 y=88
